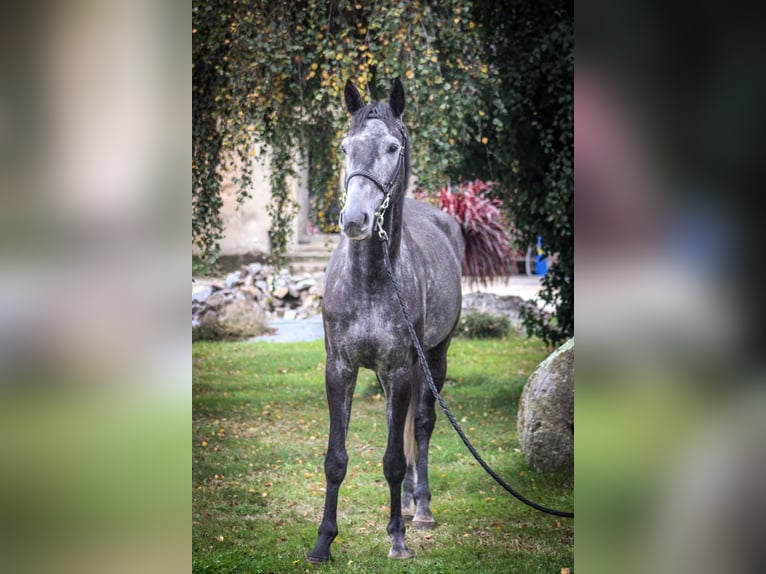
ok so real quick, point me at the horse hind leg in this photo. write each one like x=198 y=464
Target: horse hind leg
x=424 y=427
x=411 y=456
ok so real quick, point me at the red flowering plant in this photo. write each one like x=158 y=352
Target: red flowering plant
x=485 y=228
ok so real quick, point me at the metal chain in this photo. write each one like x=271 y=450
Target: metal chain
x=379 y=218
x=437 y=396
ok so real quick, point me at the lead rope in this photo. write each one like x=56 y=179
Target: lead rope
x=424 y=363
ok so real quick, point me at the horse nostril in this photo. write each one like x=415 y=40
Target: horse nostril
x=365 y=219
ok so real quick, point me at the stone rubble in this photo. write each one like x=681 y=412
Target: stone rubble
x=509 y=306
x=247 y=291
x=267 y=294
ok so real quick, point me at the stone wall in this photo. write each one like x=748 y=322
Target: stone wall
x=246 y=229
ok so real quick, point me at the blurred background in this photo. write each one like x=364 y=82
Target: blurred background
x=94 y=341
x=670 y=404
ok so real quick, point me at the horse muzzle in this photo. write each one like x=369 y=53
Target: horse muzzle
x=356 y=224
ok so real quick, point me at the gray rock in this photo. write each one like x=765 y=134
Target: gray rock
x=281 y=292
x=233 y=279
x=545 y=420
x=242 y=313
x=254 y=269
x=201 y=292
x=218 y=299
x=306 y=283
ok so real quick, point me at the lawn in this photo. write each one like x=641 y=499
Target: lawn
x=260 y=430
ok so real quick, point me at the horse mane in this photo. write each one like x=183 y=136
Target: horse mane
x=375 y=110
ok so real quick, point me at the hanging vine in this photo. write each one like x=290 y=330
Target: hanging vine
x=271 y=73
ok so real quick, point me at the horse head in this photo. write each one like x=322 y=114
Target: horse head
x=377 y=163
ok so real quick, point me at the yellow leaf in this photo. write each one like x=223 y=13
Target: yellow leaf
x=409 y=73
x=203 y=443
x=484 y=141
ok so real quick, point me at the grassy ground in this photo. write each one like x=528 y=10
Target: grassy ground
x=260 y=429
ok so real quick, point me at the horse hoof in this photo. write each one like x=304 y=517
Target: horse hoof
x=318 y=560
x=400 y=554
x=407 y=513
x=421 y=524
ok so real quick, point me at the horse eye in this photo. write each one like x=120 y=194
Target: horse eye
x=343 y=149
x=393 y=148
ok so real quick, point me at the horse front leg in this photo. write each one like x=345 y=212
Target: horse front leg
x=394 y=463
x=340 y=380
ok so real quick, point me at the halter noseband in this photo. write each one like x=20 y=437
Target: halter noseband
x=385 y=188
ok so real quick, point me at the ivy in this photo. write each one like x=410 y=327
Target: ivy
x=273 y=72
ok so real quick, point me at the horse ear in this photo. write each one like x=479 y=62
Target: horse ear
x=396 y=98
x=354 y=101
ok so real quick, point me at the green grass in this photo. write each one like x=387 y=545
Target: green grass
x=260 y=430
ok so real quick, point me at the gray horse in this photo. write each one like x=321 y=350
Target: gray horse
x=364 y=326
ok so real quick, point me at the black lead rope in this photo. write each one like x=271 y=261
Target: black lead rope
x=435 y=391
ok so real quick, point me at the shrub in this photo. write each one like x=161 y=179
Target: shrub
x=480 y=325
x=487 y=241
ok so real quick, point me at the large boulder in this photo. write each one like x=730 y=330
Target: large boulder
x=545 y=420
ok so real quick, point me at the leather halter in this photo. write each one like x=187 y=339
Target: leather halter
x=385 y=188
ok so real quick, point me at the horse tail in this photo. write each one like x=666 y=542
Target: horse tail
x=410 y=443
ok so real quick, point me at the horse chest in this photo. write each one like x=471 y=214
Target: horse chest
x=370 y=334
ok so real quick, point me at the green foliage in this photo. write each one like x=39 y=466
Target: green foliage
x=480 y=325
x=259 y=429
x=531 y=139
x=200 y=268
x=273 y=72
